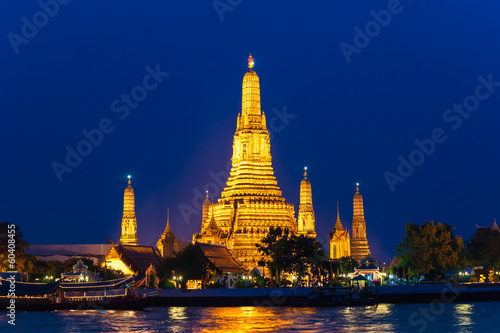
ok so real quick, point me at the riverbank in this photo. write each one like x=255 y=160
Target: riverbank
x=232 y=297
x=283 y=296
x=459 y=293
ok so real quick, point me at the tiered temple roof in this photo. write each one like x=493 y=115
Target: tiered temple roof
x=132 y=259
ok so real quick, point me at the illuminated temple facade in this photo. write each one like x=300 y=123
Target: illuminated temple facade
x=251 y=202
x=359 y=243
x=340 y=244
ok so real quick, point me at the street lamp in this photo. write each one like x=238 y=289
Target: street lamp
x=293 y=282
x=176 y=284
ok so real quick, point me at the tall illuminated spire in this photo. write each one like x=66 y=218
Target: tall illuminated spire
x=250 y=94
x=358 y=211
x=252 y=201
x=252 y=171
x=129 y=221
x=204 y=213
x=167 y=243
x=167 y=228
x=305 y=190
x=306 y=220
x=359 y=244
x=338 y=224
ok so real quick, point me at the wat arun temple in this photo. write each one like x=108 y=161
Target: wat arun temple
x=252 y=201
x=250 y=204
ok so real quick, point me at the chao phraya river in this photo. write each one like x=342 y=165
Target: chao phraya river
x=459 y=317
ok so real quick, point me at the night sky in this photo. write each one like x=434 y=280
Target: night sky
x=349 y=97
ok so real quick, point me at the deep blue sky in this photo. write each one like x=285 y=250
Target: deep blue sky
x=352 y=120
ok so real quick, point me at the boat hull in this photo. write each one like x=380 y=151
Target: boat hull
x=22 y=304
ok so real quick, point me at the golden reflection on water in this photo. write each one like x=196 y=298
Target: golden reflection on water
x=243 y=319
x=386 y=318
x=177 y=313
x=108 y=320
x=374 y=318
x=463 y=314
x=266 y=319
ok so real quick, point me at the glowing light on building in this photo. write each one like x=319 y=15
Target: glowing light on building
x=129 y=221
x=359 y=243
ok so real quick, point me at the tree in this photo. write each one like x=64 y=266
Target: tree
x=272 y=246
x=483 y=248
x=289 y=253
x=43 y=268
x=430 y=247
x=346 y=265
x=190 y=263
x=307 y=256
x=55 y=268
x=13 y=248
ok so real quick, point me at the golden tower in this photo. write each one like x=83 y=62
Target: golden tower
x=340 y=245
x=129 y=222
x=306 y=220
x=359 y=244
x=167 y=243
x=204 y=214
x=252 y=201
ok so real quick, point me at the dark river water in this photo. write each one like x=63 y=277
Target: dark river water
x=473 y=317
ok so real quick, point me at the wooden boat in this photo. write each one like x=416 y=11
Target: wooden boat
x=107 y=295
